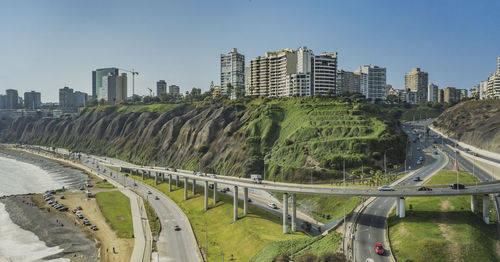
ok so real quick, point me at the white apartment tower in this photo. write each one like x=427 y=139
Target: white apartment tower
x=325 y=74
x=372 y=82
x=432 y=93
x=232 y=71
x=114 y=88
x=493 y=85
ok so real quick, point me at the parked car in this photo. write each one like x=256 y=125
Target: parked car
x=272 y=205
x=460 y=186
x=94 y=228
x=386 y=188
x=423 y=188
x=379 y=249
x=149 y=192
x=79 y=207
x=157 y=198
x=87 y=223
x=177 y=228
x=80 y=216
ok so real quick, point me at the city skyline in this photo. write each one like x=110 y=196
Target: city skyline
x=63 y=43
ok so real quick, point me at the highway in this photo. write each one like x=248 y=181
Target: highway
x=372 y=221
x=172 y=245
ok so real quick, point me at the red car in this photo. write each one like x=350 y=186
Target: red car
x=379 y=249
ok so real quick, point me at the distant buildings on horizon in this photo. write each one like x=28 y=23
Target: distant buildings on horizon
x=490 y=88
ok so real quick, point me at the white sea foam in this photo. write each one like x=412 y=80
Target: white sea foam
x=17 y=244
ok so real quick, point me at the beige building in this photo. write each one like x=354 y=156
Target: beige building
x=417 y=81
x=451 y=95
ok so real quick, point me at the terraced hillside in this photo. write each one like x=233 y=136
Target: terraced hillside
x=293 y=139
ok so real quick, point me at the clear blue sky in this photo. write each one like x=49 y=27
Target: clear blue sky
x=48 y=44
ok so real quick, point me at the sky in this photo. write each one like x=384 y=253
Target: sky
x=46 y=45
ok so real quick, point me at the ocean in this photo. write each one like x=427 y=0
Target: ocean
x=21 y=174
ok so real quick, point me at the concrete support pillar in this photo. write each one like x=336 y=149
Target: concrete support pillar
x=245 y=201
x=235 y=203
x=185 y=188
x=156 y=178
x=176 y=181
x=142 y=175
x=486 y=209
x=285 y=213
x=169 y=182
x=149 y=174
x=473 y=203
x=215 y=194
x=194 y=187
x=294 y=214
x=206 y=195
x=397 y=206
x=402 y=207
x=162 y=177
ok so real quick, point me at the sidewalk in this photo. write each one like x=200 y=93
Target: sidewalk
x=142 y=231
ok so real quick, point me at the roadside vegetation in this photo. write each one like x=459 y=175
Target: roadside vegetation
x=444 y=228
x=115 y=207
x=302 y=248
x=104 y=184
x=239 y=240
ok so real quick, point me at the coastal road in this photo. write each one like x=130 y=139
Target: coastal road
x=372 y=222
x=172 y=245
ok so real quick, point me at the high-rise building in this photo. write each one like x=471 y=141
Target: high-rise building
x=97 y=77
x=417 y=81
x=451 y=95
x=348 y=82
x=474 y=92
x=66 y=97
x=493 y=84
x=174 y=90
x=440 y=96
x=81 y=99
x=463 y=94
x=232 y=71
x=247 y=79
x=270 y=75
x=483 y=86
x=161 y=87
x=114 y=88
x=32 y=100
x=325 y=74
x=432 y=92
x=12 y=99
x=372 y=82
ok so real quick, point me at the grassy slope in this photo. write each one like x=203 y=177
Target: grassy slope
x=240 y=240
x=315 y=245
x=104 y=185
x=158 y=108
x=443 y=228
x=115 y=207
x=154 y=224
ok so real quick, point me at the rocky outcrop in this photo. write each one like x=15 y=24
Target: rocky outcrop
x=474 y=122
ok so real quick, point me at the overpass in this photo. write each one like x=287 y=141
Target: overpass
x=400 y=192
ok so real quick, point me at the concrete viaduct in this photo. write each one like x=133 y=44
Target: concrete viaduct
x=400 y=193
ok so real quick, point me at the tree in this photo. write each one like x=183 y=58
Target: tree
x=103 y=102
x=229 y=90
x=329 y=92
x=378 y=176
x=136 y=98
x=92 y=102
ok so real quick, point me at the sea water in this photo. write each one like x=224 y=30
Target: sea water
x=18 y=177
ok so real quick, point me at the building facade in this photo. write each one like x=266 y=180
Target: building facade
x=81 y=99
x=417 y=81
x=66 y=97
x=325 y=74
x=174 y=90
x=97 y=77
x=440 y=96
x=493 y=84
x=114 y=88
x=348 y=82
x=11 y=99
x=32 y=100
x=432 y=92
x=451 y=95
x=161 y=87
x=232 y=72
x=372 y=82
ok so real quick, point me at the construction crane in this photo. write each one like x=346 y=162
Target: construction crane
x=133 y=78
x=150 y=92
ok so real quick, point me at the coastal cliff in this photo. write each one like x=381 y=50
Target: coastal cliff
x=293 y=138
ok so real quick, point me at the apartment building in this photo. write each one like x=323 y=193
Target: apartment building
x=432 y=92
x=451 y=95
x=417 y=81
x=161 y=87
x=232 y=71
x=372 y=82
x=325 y=74
x=348 y=82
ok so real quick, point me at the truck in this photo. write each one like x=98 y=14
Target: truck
x=257 y=179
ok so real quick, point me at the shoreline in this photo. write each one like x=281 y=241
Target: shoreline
x=53 y=228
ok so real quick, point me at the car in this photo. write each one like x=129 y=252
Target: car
x=74 y=210
x=51 y=202
x=157 y=198
x=87 y=223
x=135 y=184
x=95 y=228
x=423 y=188
x=379 y=249
x=249 y=200
x=419 y=162
x=213 y=176
x=435 y=152
x=177 y=228
x=272 y=205
x=386 y=188
x=79 y=207
x=460 y=186
x=63 y=197
x=173 y=169
x=417 y=179
x=418 y=148
x=79 y=216
x=63 y=209
x=149 y=192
